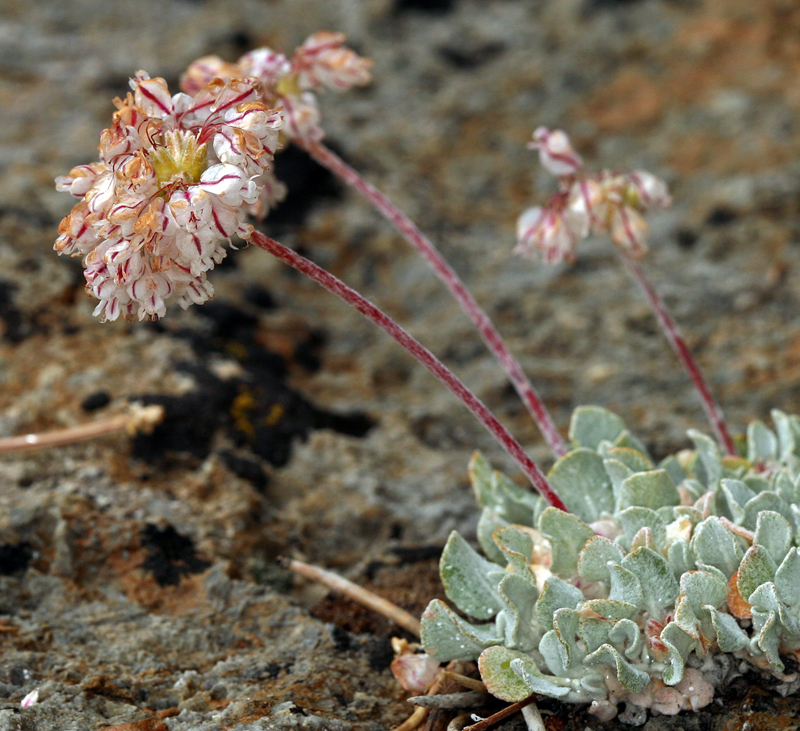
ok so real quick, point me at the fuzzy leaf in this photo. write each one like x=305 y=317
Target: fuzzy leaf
x=488 y=523
x=626 y=440
x=495 y=491
x=567 y=535
x=679 y=644
x=673 y=468
x=581 y=481
x=653 y=489
x=785 y=488
x=786 y=436
x=730 y=636
x=627 y=633
x=787 y=579
x=593 y=559
x=702 y=588
x=556 y=594
x=480 y=475
x=554 y=653
x=631 y=458
x=513 y=676
x=756 y=569
x=769 y=638
x=765 y=501
x=709 y=456
x=566 y=624
x=633 y=519
x=617 y=473
x=737 y=495
x=773 y=532
x=519 y=505
x=632 y=679
x=685 y=618
x=658 y=583
x=611 y=609
x=590 y=425
x=714 y=545
x=446 y=636
x=519 y=596
x=680 y=557
x=517 y=547
x=762 y=444
x=625 y=586
x=594 y=632
x=756 y=483
x=470 y=581
x=765 y=602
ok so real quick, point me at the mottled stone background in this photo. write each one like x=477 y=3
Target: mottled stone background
x=138 y=577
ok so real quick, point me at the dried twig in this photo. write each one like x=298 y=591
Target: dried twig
x=451 y=701
x=490 y=721
x=357 y=593
x=466 y=681
x=138 y=418
x=416 y=719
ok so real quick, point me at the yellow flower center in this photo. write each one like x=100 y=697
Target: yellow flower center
x=288 y=86
x=180 y=158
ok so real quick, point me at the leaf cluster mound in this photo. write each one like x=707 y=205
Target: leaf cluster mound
x=658 y=584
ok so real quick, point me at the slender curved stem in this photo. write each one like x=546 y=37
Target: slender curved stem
x=710 y=406
x=422 y=354
x=451 y=280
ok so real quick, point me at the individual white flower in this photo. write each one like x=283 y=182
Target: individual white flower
x=175 y=176
x=553 y=232
x=555 y=152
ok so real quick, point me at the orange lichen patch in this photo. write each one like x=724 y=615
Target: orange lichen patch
x=146 y=724
x=737 y=604
x=633 y=99
x=102 y=685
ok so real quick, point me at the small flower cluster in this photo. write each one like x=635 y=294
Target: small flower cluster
x=174 y=178
x=586 y=202
x=321 y=61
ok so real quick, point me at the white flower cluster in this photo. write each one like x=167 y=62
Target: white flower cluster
x=321 y=62
x=175 y=177
x=600 y=202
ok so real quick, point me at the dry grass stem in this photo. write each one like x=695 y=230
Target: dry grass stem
x=139 y=418
x=357 y=593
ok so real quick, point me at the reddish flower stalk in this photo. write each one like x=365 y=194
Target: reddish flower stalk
x=673 y=335
x=451 y=280
x=422 y=354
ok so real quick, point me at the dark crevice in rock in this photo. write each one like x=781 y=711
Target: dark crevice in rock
x=170 y=555
x=309 y=184
x=14 y=558
x=434 y=7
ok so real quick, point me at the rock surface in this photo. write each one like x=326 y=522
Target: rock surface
x=139 y=584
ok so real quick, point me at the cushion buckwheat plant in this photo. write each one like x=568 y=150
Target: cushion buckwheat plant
x=175 y=179
x=661 y=582
x=623 y=580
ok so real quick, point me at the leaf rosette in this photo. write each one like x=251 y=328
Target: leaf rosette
x=641 y=593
